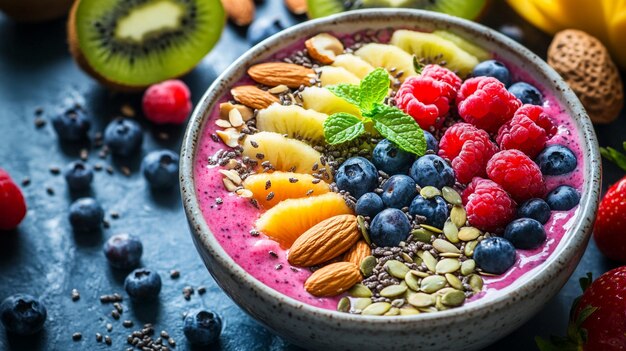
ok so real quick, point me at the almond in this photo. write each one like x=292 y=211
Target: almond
x=297 y=7
x=252 y=96
x=357 y=252
x=333 y=279
x=324 y=241
x=277 y=73
x=241 y=12
x=324 y=48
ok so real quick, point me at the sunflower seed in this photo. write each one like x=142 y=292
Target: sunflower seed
x=360 y=290
x=361 y=303
x=469 y=248
x=412 y=281
x=451 y=231
x=458 y=216
x=476 y=282
x=453 y=298
x=421 y=300
x=429 y=260
x=361 y=224
x=469 y=233
x=409 y=311
x=432 y=283
x=454 y=281
x=444 y=246
x=367 y=265
x=467 y=267
x=393 y=311
x=396 y=268
x=393 y=291
x=343 y=305
x=429 y=192
x=447 y=265
x=376 y=309
x=451 y=195
x=431 y=228
x=421 y=234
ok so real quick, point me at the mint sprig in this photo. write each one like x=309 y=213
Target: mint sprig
x=615 y=156
x=390 y=122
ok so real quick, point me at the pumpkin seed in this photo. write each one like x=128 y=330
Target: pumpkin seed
x=343 y=305
x=451 y=231
x=396 y=268
x=453 y=298
x=420 y=274
x=432 y=283
x=449 y=255
x=458 y=215
x=376 y=309
x=361 y=303
x=429 y=192
x=360 y=220
x=406 y=257
x=367 y=265
x=393 y=311
x=438 y=305
x=412 y=281
x=393 y=291
x=430 y=261
x=476 y=282
x=421 y=234
x=409 y=311
x=421 y=300
x=469 y=248
x=431 y=228
x=360 y=290
x=454 y=281
x=451 y=195
x=468 y=233
x=467 y=267
x=444 y=246
x=418 y=260
x=398 y=303
x=443 y=291
x=447 y=265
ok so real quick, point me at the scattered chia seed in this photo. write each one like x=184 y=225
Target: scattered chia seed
x=50 y=191
x=293 y=180
x=269 y=196
x=187 y=292
x=254 y=144
x=77 y=336
x=115 y=215
x=273 y=254
x=98 y=337
x=254 y=232
x=75 y=295
x=109 y=169
x=55 y=170
x=127 y=323
x=268 y=184
x=278 y=267
x=115 y=314
x=39 y=122
x=174 y=274
x=109 y=327
x=26 y=181
x=118 y=307
x=219 y=201
x=107 y=340
x=201 y=290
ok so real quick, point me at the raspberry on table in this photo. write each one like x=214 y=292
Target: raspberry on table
x=485 y=103
x=167 y=102
x=12 y=203
x=424 y=99
x=517 y=174
x=444 y=75
x=527 y=131
x=468 y=149
x=489 y=207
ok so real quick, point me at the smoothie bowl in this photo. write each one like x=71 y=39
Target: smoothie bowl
x=390 y=179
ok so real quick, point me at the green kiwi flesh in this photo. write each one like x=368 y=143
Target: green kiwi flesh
x=136 y=43
x=469 y=9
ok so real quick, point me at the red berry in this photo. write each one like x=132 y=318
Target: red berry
x=12 y=204
x=527 y=131
x=610 y=228
x=167 y=102
x=517 y=174
x=488 y=206
x=444 y=75
x=485 y=103
x=424 y=99
x=468 y=149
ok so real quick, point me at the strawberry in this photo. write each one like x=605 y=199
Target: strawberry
x=12 y=204
x=597 y=320
x=610 y=228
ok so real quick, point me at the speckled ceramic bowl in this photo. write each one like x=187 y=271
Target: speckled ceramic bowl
x=467 y=328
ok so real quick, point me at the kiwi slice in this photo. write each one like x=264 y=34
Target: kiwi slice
x=130 y=44
x=469 y=9
x=469 y=47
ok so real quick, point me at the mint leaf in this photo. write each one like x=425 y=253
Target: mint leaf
x=341 y=127
x=614 y=156
x=399 y=128
x=348 y=92
x=374 y=88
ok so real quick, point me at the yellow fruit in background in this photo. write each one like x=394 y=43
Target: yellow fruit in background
x=331 y=75
x=292 y=120
x=389 y=57
x=283 y=185
x=324 y=101
x=286 y=221
x=354 y=64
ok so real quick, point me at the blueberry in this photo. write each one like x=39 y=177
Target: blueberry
x=512 y=31
x=71 y=125
x=556 y=160
x=86 y=214
x=78 y=175
x=263 y=28
x=161 y=169
x=527 y=93
x=391 y=159
x=494 y=255
x=434 y=209
x=202 y=327
x=563 y=198
x=23 y=314
x=398 y=191
x=369 y=205
x=123 y=136
x=357 y=176
x=123 y=251
x=432 y=170
x=143 y=284
x=495 y=69
x=431 y=142
x=525 y=233
x=389 y=228
x=536 y=209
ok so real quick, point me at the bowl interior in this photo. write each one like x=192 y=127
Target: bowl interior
x=380 y=19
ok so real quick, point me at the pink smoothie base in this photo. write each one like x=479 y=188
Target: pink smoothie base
x=232 y=221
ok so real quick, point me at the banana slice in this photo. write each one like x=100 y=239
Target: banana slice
x=337 y=75
x=392 y=58
x=324 y=101
x=354 y=64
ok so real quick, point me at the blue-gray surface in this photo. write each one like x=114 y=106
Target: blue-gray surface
x=44 y=258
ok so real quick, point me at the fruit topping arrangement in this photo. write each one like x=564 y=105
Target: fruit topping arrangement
x=403 y=175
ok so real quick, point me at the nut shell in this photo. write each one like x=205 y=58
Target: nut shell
x=332 y=279
x=586 y=66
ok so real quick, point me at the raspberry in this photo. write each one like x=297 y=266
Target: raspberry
x=485 y=103
x=167 y=102
x=517 y=174
x=488 y=206
x=468 y=149
x=527 y=131
x=424 y=99
x=12 y=204
x=444 y=75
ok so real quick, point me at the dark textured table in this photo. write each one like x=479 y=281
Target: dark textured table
x=45 y=258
